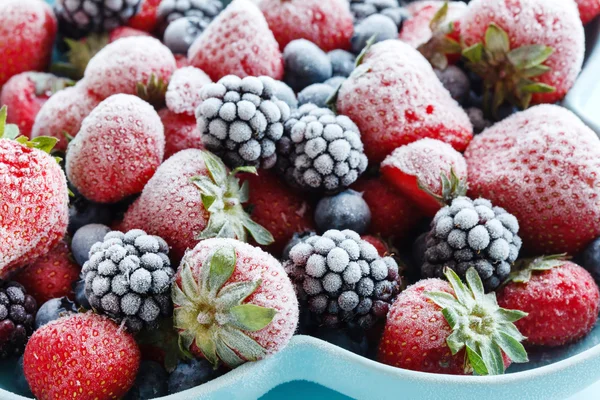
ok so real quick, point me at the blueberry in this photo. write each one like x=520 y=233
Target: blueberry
x=335 y=82
x=505 y=111
x=456 y=81
x=342 y=62
x=477 y=119
x=377 y=25
x=84 y=238
x=316 y=94
x=181 y=33
x=344 y=338
x=397 y=14
x=191 y=374
x=305 y=64
x=345 y=210
x=53 y=309
x=285 y=93
x=150 y=382
x=20 y=383
x=80 y=297
x=590 y=259
x=83 y=212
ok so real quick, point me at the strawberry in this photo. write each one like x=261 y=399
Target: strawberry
x=328 y=24
x=181 y=61
x=237 y=42
x=278 y=208
x=543 y=166
x=588 y=9
x=451 y=328
x=51 y=275
x=193 y=196
x=146 y=18
x=26 y=36
x=233 y=303
x=392 y=214
x=525 y=51
x=25 y=94
x=395 y=98
x=118 y=148
x=181 y=132
x=560 y=297
x=184 y=91
x=82 y=355
x=34 y=210
x=415 y=170
x=125 y=31
x=62 y=114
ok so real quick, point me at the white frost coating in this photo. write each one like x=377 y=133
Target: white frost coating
x=183 y=93
x=415 y=30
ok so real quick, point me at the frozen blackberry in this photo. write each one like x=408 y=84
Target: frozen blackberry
x=204 y=10
x=362 y=9
x=128 y=277
x=78 y=18
x=320 y=151
x=241 y=120
x=342 y=279
x=17 y=317
x=472 y=233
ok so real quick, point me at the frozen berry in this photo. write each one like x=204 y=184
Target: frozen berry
x=346 y=210
x=305 y=64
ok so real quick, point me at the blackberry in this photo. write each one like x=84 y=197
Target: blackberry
x=128 y=277
x=204 y=11
x=78 y=18
x=472 y=233
x=320 y=151
x=17 y=317
x=241 y=120
x=342 y=279
x=362 y=9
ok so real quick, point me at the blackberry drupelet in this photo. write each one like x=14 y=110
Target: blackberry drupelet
x=17 y=317
x=320 y=151
x=78 y=18
x=204 y=10
x=342 y=278
x=362 y=9
x=241 y=120
x=472 y=233
x=128 y=277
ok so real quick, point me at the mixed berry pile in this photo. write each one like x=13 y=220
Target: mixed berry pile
x=186 y=184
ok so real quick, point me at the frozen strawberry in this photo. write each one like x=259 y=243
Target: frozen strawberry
x=24 y=94
x=328 y=24
x=62 y=114
x=181 y=61
x=181 y=132
x=26 y=36
x=34 y=209
x=395 y=98
x=420 y=337
x=560 y=297
x=248 y=305
x=82 y=355
x=193 y=196
x=51 y=275
x=525 y=51
x=125 y=31
x=146 y=18
x=120 y=66
x=393 y=216
x=118 y=148
x=183 y=94
x=543 y=166
x=428 y=172
x=237 y=42
x=588 y=9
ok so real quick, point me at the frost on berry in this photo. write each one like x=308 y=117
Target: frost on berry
x=416 y=31
x=183 y=93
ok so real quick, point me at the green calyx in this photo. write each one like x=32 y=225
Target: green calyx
x=79 y=55
x=222 y=197
x=441 y=44
x=11 y=131
x=452 y=187
x=211 y=313
x=507 y=73
x=523 y=269
x=48 y=84
x=479 y=326
x=153 y=91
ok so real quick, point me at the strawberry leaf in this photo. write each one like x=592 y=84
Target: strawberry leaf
x=496 y=41
x=221 y=265
x=250 y=317
x=244 y=345
x=476 y=362
x=474 y=53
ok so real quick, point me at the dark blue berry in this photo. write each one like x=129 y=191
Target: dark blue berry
x=380 y=26
x=181 y=33
x=20 y=383
x=52 y=310
x=505 y=111
x=316 y=94
x=191 y=374
x=150 y=382
x=84 y=238
x=305 y=64
x=83 y=212
x=456 y=81
x=344 y=338
x=418 y=249
x=80 y=298
x=590 y=259
x=335 y=82
x=342 y=62
x=345 y=210
x=285 y=93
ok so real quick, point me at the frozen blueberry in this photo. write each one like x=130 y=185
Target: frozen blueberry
x=80 y=298
x=84 y=238
x=53 y=309
x=150 y=382
x=316 y=94
x=342 y=62
x=335 y=82
x=477 y=119
x=346 y=210
x=181 y=33
x=590 y=259
x=285 y=93
x=380 y=26
x=305 y=64
x=20 y=383
x=344 y=338
x=456 y=81
x=505 y=111
x=191 y=374
x=83 y=212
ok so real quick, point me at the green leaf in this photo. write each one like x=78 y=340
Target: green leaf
x=538 y=88
x=442 y=299
x=512 y=347
x=496 y=40
x=184 y=317
x=529 y=56
x=244 y=193
x=11 y=131
x=475 y=284
x=250 y=170
x=532 y=72
x=207 y=187
x=186 y=338
x=474 y=53
x=455 y=343
x=189 y=285
x=463 y=294
x=3 y=114
x=439 y=17
x=206 y=343
x=499 y=96
x=476 y=362
x=258 y=233
x=251 y=317
x=228 y=356
x=510 y=315
x=451 y=316
x=222 y=265
x=243 y=345
x=331 y=101
x=216 y=168
x=511 y=330
x=492 y=357
x=44 y=143
x=365 y=50
x=235 y=293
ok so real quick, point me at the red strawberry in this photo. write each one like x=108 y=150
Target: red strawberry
x=51 y=275
x=174 y=203
x=34 y=209
x=26 y=36
x=395 y=98
x=61 y=116
x=535 y=46
x=184 y=92
x=81 y=356
x=24 y=94
x=181 y=61
x=278 y=208
x=416 y=170
x=181 y=132
x=588 y=9
x=543 y=166
x=328 y=24
x=561 y=298
x=125 y=31
x=118 y=148
x=392 y=215
x=146 y=19
x=237 y=42
x=417 y=335
x=248 y=305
